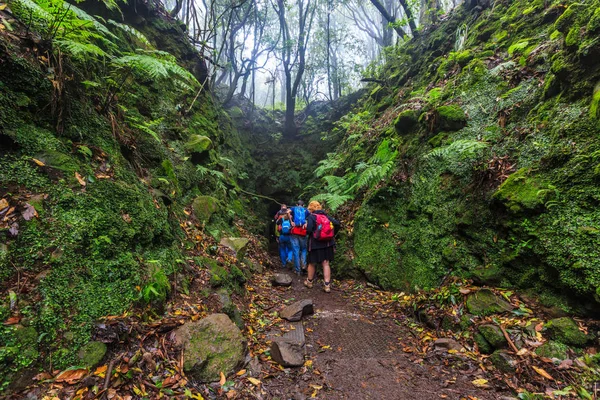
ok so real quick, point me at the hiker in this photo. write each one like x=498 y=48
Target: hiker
x=299 y=239
x=284 y=210
x=284 y=227
x=321 y=243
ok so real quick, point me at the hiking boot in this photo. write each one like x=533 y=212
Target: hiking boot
x=327 y=287
x=308 y=283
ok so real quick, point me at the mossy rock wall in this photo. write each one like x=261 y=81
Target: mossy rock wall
x=498 y=181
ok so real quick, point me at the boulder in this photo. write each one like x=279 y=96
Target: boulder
x=552 y=349
x=295 y=311
x=482 y=344
x=450 y=118
x=448 y=344
x=92 y=353
x=565 y=330
x=238 y=245
x=204 y=207
x=493 y=335
x=198 y=144
x=503 y=361
x=406 y=121
x=210 y=346
x=282 y=280
x=485 y=302
x=287 y=353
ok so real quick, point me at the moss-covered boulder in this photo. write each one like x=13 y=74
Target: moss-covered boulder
x=493 y=335
x=450 y=118
x=406 y=121
x=198 y=144
x=57 y=160
x=92 y=353
x=503 y=361
x=238 y=245
x=204 y=207
x=485 y=302
x=210 y=346
x=521 y=192
x=552 y=349
x=565 y=330
x=26 y=340
x=484 y=346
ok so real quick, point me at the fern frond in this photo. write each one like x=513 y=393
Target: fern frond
x=332 y=200
x=87 y=17
x=336 y=184
x=327 y=166
x=460 y=149
x=132 y=32
x=155 y=68
x=80 y=50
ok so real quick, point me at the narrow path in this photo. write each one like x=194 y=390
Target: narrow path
x=357 y=354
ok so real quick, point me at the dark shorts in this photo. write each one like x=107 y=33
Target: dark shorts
x=319 y=255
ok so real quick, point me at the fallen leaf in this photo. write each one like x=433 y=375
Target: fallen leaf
x=42 y=376
x=542 y=372
x=241 y=372
x=3 y=204
x=29 y=212
x=12 y=320
x=79 y=179
x=101 y=371
x=71 y=376
x=223 y=379
x=481 y=383
x=465 y=291
x=38 y=162
x=254 y=381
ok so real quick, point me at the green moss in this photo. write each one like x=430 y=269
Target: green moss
x=552 y=349
x=493 y=335
x=92 y=353
x=485 y=302
x=198 y=144
x=593 y=25
x=595 y=105
x=503 y=361
x=563 y=23
x=523 y=192
x=461 y=58
x=482 y=344
x=405 y=121
x=204 y=207
x=450 y=117
x=573 y=37
x=518 y=48
x=566 y=331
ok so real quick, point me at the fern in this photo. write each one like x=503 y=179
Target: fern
x=80 y=51
x=155 y=68
x=460 y=150
x=327 y=166
x=333 y=200
x=132 y=32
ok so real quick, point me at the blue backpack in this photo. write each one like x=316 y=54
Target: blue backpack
x=299 y=215
x=286 y=227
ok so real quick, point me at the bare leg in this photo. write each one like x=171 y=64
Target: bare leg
x=311 y=271
x=326 y=271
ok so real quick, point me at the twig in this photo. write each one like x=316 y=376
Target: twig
x=111 y=365
x=258 y=195
x=508 y=339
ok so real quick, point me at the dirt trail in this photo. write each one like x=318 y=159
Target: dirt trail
x=357 y=354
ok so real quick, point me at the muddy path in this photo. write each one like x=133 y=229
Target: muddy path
x=356 y=349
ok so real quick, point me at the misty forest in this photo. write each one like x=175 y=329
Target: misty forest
x=294 y=199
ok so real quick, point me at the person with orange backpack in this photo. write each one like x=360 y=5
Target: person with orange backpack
x=320 y=229
x=299 y=240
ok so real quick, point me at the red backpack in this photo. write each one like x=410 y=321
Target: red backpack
x=324 y=229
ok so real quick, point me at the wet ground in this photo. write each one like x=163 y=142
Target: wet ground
x=356 y=354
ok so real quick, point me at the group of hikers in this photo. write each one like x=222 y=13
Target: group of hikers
x=306 y=238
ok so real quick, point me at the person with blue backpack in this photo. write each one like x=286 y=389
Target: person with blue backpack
x=299 y=238
x=284 y=227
